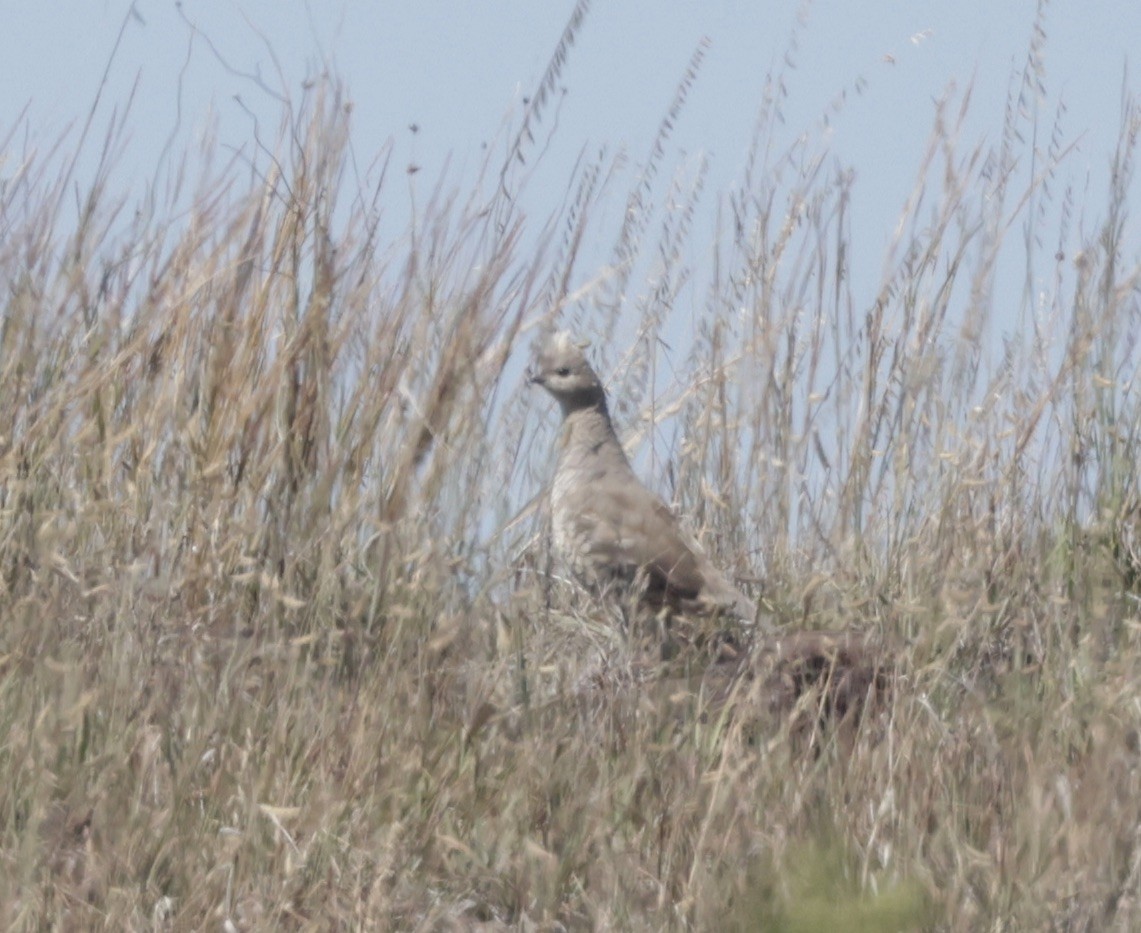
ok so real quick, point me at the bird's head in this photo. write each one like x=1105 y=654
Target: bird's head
x=562 y=369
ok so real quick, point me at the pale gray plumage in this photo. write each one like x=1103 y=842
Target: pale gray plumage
x=606 y=524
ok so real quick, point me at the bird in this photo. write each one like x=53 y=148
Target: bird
x=610 y=528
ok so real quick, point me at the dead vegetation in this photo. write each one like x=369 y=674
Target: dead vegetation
x=282 y=647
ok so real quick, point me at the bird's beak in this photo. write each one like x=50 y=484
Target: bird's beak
x=534 y=377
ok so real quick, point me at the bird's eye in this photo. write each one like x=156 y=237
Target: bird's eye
x=562 y=371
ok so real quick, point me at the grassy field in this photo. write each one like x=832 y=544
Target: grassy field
x=282 y=646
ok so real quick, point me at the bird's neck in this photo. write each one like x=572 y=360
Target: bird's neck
x=588 y=430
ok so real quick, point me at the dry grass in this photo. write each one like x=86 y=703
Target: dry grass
x=277 y=653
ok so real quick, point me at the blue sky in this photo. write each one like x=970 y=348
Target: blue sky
x=458 y=70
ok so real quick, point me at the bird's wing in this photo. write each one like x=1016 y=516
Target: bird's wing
x=631 y=528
